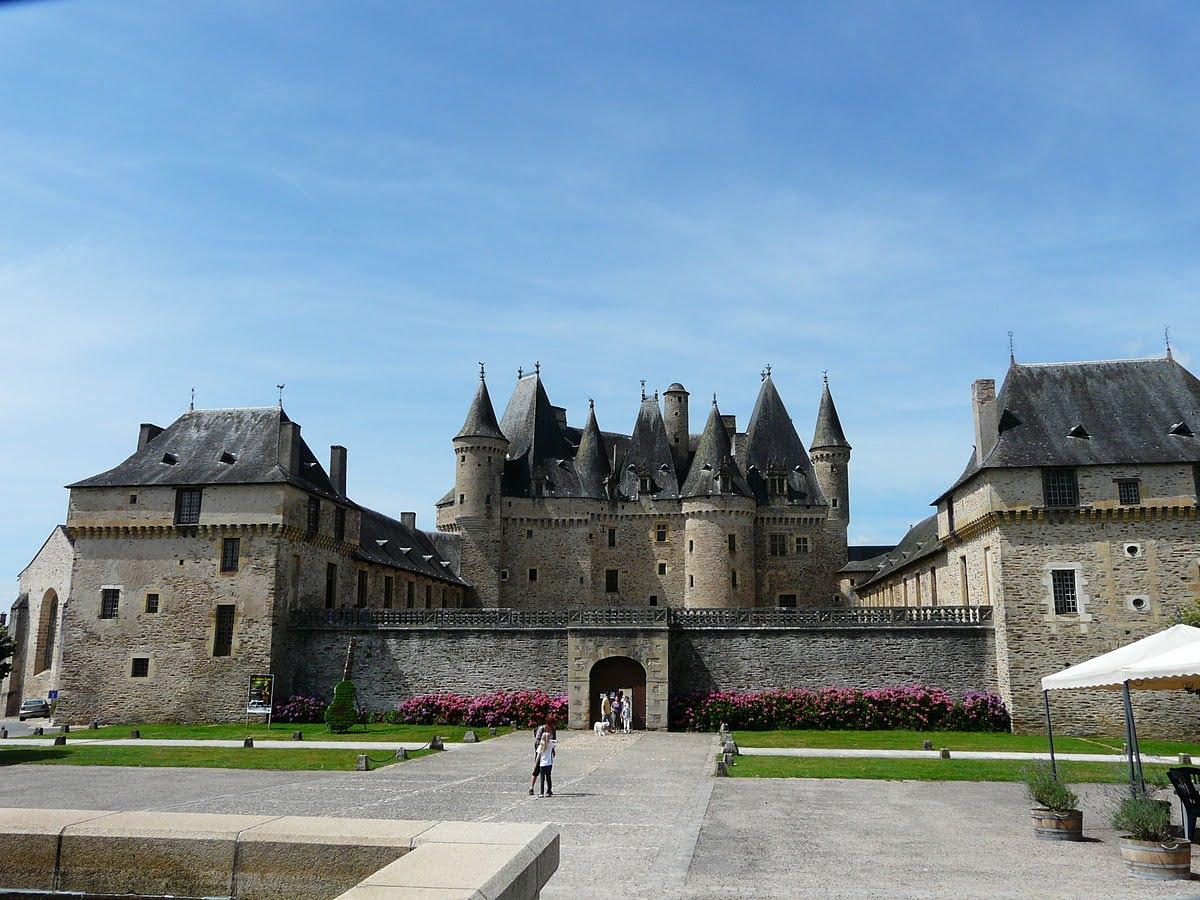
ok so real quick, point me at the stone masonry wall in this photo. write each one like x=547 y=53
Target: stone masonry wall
x=46 y=579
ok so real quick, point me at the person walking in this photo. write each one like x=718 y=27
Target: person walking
x=546 y=751
x=612 y=712
x=606 y=709
x=627 y=714
x=537 y=740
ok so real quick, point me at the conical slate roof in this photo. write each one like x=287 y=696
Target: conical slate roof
x=538 y=451
x=649 y=454
x=591 y=458
x=713 y=458
x=829 y=427
x=481 y=417
x=773 y=447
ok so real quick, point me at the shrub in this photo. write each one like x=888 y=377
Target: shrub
x=1045 y=790
x=300 y=709
x=916 y=708
x=342 y=714
x=1143 y=818
x=519 y=709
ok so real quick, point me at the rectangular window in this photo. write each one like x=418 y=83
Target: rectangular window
x=653 y=600
x=787 y=601
x=933 y=586
x=612 y=537
x=443 y=596
x=361 y=598
x=533 y=574
x=611 y=581
x=660 y=533
x=339 y=523
x=223 y=634
x=733 y=579
x=778 y=544
x=330 y=585
x=462 y=498
x=231 y=549
x=1129 y=492
x=139 y=667
x=313 y=525
x=187 y=506
x=963 y=584
x=152 y=603
x=1062 y=582
x=428 y=596
x=691 y=581
x=733 y=543
x=777 y=484
x=110 y=599
x=1059 y=488
x=691 y=546
x=388 y=587
x=528 y=533
x=504 y=574
x=133 y=499
x=410 y=596
x=662 y=568
x=487 y=499
x=802 y=545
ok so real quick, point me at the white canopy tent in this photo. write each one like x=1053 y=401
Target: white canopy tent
x=1167 y=660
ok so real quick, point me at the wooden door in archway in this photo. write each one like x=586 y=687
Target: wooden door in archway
x=614 y=674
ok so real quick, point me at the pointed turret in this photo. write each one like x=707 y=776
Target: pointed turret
x=648 y=469
x=538 y=451
x=829 y=427
x=481 y=417
x=591 y=459
x=773 y=458
x=714 y=470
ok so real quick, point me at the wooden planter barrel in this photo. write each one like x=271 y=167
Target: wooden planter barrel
x=1051 y=825
x=1161 y=862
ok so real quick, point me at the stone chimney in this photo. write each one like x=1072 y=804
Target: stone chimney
x=983 y=405
x=409 y=520
x=337 y=468
x=289 y=447
x=147 y=433
x=730 y=423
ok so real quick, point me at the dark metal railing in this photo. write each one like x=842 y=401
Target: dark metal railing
x=662 y=617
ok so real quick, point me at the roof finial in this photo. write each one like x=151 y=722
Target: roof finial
x=714 y=399
x=1167 y=338
x=481 y=373
x=520 y=372
x=192 y=405
x=643 y=383
x=1012 y=351
x=762 y=375
x=591 y=403
x=537 y=367
x=280 y=388
x=825 y=376
x=768 y=370
x=656 y=395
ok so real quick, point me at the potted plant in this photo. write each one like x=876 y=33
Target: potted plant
x=1149 y=844
x=1055 y=812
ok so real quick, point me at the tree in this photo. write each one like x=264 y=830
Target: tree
x=1189 y=614
x=7 y=649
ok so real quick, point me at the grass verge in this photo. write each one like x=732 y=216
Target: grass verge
x=194 y=757
x=955 y=740
x=281 y=732
x=922 y=769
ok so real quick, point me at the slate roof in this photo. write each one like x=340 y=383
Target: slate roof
x=828 y=432
x=481 y=417
x=866 y=557
x=1127 y=408
x=649 y=453
x=919 y=543
x=217 y=446
x=773 y=446
x=386 y=541
x=538 y=450
x=591 y=459
x=712 y=458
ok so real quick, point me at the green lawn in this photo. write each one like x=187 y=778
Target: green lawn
x=955 y=740
x=281 y=732
x=922 y=769
x=201 y=757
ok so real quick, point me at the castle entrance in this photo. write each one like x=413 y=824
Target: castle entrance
x=613 y=674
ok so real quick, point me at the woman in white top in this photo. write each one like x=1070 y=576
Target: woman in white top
x=546 y=750
x=627 y=714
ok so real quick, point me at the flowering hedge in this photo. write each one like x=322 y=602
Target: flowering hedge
x=520 y=709
x=301 y=709
x=916 y=708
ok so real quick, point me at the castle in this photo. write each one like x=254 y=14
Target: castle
x=551 y=516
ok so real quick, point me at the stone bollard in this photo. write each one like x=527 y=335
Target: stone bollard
x=135 y=734
x=66 y=729
x=248 y=742
x=39 y=730
x=927 y=745
x=60 y=740
x=401 y=753
x=492 y=732
x=3 y=733
x=722 y=770
x=436 y=743
x=469 y=738
x=362 y=764
x=730 y=748
x=727 y=759
x=297 y=735
x=944 y=753
x=93 y=725
x=1185 y=759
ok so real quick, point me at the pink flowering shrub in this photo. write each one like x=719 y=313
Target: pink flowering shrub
x=914 y=708
x=520 y=709
x=301 y=709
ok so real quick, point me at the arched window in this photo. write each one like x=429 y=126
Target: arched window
x=47 y=631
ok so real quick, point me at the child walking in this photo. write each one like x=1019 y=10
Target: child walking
x=546 y=750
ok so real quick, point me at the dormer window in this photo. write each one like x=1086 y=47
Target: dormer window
x=228 y=458
x=645 y=484
x=170 y=459
x=1181 y=429
x=777 y=485
x=1079 y=432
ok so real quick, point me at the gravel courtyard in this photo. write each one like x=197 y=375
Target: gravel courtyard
x=640 y=816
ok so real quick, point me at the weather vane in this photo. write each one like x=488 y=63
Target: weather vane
x=825 y=375
x=643 y=383
x=192 y=405
x=481 y=373
x=537 y=367
x=1167 y=338
x=1012 y=349
x=280 y=387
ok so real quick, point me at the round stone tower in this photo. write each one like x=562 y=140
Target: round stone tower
x=479 y=450
x=830 y=452
x=675 y=417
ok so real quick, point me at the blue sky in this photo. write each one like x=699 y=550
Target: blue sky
x=362 y=200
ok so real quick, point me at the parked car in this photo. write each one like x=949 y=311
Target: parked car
x=31 y=709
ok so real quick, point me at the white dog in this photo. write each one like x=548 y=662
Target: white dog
x=602 y=727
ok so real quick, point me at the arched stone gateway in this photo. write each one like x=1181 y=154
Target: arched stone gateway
x=609 y=658
x=618 y=674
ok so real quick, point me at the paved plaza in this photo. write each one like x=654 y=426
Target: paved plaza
x=640 y=816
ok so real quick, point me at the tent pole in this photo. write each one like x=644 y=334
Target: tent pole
x=1050 y=732
x=1130 y=737
x=1137 y=751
